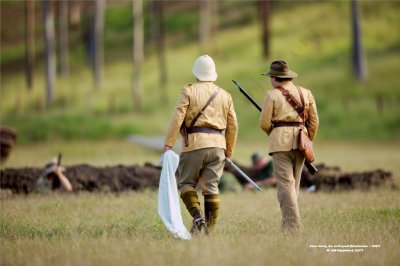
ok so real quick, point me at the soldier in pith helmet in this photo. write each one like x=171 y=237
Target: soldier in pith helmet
x=206 y=113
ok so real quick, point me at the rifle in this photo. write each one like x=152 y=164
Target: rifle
x=311 y=168
x=242 y=174
x=59 y=159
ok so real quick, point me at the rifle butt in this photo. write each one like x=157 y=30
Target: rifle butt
x=311 y=168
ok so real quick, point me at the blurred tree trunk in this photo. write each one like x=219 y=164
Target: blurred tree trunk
x=75 y=13
x=157 y=13
x=358 y=60
x=205 y=13
x=88 y=35
x=138 y=37
x=63 y=37
x=265 y=12
x=98 y=43
x=214 y=26
x=49 y=49
x=29 y=41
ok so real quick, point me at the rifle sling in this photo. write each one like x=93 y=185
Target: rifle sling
x=302 y=102
x=293 y=102
x=191 y=128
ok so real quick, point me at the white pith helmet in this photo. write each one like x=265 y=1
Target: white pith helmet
x=204 y=69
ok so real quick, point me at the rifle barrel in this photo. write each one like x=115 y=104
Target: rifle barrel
x=247 y=96
x=59 y=159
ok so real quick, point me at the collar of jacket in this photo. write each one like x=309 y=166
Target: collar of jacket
x=284 y=84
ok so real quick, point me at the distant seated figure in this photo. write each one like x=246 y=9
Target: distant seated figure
x=53 y=179
x=265 y=172
x=8 y=137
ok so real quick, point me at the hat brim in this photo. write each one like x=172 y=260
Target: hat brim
x=291 y=74
x=206 y=77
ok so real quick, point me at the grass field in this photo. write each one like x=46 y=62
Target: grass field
x=110 y=229
x=124 y=229
x=319 y=52
x=359 y=131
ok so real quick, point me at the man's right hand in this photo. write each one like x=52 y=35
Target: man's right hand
x=167 y=148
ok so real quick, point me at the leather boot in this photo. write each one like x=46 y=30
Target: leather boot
x=211 y=208
x=199 y=224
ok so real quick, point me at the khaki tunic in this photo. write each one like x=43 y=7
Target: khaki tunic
x=276 y=108
x=220 y=114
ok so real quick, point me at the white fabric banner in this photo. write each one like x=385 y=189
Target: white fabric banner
x=168 y=200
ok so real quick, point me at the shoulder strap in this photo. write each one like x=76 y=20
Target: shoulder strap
x=299 y=107
x=217 y=90
x=302 y=102
x=292 y=100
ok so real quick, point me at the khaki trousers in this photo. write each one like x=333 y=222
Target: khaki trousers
x=287 y=167
x=205 y=166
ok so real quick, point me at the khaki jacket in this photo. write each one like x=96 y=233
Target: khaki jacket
x=276 y=108
x=220 y=114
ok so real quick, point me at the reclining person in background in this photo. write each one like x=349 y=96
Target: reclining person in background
x=53 y=178
x=265 y=172
x=261 y=172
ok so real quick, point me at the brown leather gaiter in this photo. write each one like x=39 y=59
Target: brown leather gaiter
x=211 y=209
x=191 y=201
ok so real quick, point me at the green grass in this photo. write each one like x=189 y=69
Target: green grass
x=319 y=52
x=124 y=229
x=89 y=126
x=70 y=127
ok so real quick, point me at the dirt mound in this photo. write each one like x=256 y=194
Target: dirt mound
x=330 y=178
x=119 y=178
x=86 y=177
x=333 y=178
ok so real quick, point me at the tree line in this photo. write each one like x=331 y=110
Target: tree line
x=70 y=12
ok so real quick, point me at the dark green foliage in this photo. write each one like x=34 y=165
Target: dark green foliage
x=69 y=127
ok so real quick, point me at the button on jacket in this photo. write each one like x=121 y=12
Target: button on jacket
x=220 y=114
x=276 y=108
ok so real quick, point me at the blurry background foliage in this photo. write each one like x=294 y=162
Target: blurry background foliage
x=313 y=37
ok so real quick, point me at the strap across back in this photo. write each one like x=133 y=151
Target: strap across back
x=215 y=93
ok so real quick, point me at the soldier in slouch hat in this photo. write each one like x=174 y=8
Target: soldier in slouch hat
x=282 y=124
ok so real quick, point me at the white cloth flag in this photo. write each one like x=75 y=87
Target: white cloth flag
x=168 y=200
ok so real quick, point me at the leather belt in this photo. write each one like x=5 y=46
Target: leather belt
x=203 y=130
x=287 y=124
